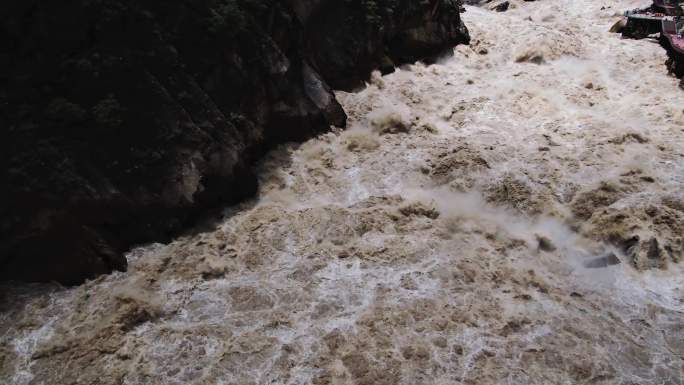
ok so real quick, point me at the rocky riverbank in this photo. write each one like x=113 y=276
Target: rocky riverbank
x=510 y=215
x=675 y=61
x=122 y=122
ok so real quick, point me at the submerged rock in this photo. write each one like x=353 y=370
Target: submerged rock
x=609 y=259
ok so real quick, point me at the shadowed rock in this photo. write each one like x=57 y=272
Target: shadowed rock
x=121 y=121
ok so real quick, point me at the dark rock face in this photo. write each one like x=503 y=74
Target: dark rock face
x=501 y=7
x=121 y=121
x=675 y=61
x=355 y=39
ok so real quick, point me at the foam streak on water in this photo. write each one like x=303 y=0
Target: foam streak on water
x=475 y=224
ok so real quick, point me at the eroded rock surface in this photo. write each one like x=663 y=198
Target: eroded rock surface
x=122 y=121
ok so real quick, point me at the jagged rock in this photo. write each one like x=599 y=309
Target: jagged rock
x=123 y=120
x=675 y=60
x=501 y=6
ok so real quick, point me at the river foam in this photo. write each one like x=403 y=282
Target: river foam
x=474 y=225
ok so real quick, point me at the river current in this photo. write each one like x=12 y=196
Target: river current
x=513 y=214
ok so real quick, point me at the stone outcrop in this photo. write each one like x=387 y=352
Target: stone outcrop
x=123 y=121
x=674 y=62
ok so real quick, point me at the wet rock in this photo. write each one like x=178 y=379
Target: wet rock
x=675 y=60
x=609 y=259
x=500 y=7
x=412 y=282
x=159 y=111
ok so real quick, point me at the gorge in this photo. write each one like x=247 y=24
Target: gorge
x=510 y=212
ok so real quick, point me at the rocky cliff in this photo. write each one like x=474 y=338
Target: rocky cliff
x=675 y=61
x=122 y=121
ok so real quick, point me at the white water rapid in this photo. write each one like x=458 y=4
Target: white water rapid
x=511 y=215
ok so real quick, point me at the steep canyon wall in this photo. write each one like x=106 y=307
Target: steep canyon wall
x=121 y=120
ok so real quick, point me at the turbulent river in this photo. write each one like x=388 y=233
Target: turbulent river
x=513 y=214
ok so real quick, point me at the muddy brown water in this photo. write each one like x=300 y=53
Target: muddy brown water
x=443 y=238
